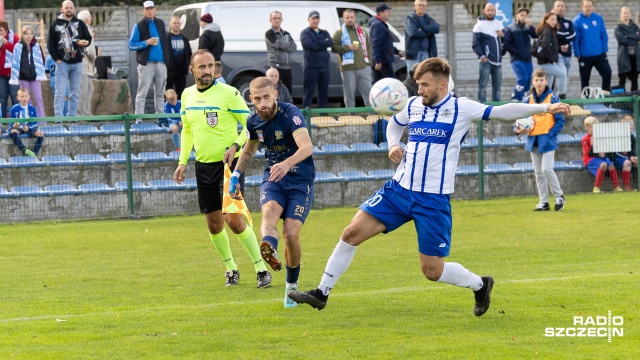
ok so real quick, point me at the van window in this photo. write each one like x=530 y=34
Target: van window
x=362 y=19
x=189 y=22
x=234 y=29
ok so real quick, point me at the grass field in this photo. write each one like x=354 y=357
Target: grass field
x=153 y=289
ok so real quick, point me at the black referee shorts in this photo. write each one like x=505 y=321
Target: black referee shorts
x=210 y=182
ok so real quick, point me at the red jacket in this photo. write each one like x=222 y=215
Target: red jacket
x=3 y=53
x=587 y=150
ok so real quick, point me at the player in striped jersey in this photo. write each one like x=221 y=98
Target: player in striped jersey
x=420 y=190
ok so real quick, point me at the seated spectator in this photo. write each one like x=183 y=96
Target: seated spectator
x=627 y=160
x=283 y=93
x=50 y=67
x=217 y=73
x=542 y=143
x=172 y=106
x=598 y=164
x=27 y=67
x=24 y=110
x=410 y=83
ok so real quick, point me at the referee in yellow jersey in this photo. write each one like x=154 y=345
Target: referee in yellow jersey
x=210 y=115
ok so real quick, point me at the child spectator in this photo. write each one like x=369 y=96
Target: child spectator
x=543 y=143
x=217 y=73
x=172 y=106
x=24 y=110
x=627 y=160
x=50 y=66
x=597 y=163
x=27 y=67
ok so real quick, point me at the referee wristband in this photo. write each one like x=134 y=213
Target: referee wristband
x=236 y=173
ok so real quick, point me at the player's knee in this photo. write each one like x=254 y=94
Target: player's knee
x=215 y=228
x=603 y=166
x=350 y=235
x=431 y=273
x=611 y=167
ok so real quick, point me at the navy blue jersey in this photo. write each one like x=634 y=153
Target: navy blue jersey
x=277 y=137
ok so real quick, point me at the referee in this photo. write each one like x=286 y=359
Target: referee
x=210 y=114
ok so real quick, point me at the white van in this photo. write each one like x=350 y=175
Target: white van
x=244 y=23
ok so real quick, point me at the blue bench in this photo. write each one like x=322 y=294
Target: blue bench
x=499 y=169
x=381 y=174
x=62 y=190
x=85 y=130
x=91 y=159
x=58 y=160
x=28 y=191
x=166 y=185
x=354 y=175
x=96 y=188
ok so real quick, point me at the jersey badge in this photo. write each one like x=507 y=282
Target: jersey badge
x=446 y=113
x=260 y=135
x=278 y=134
x=212 y=118
x=297 y=121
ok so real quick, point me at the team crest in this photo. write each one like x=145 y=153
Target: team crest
x=566 y=25
x=278 y=134
x=594 y=23
x=212 y=118
x=260 y=135
x=445 y=113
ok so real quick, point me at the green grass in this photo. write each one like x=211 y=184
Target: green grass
x=153 y=289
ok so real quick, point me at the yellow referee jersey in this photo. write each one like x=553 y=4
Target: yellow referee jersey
x=210 y=122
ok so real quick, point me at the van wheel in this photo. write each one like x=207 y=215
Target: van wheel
x=242 y=85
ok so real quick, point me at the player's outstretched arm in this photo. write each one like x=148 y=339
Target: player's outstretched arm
x=513 y=111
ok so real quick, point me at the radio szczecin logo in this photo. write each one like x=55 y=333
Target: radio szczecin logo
x=590 y=326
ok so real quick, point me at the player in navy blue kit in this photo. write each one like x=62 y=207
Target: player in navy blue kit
x=420 y=190
x=287 y=186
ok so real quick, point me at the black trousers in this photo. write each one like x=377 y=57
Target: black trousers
x=386 y=71
x=632 y=75
x=601 y=64
x=286 y=78
x=316 y=78
x=177 y=83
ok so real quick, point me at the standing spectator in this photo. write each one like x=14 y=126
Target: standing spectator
x=181 y=54
x=173 y=106
x=382 y=48
x=286 y=191
x=27 y=67
x=565 y=34
x=542 y=143
x=487 y=44
x=627 y=160
x=68 y=36
x=149 y=41
x=280 y=45
x=420 y=31
x=283 y=92
x=517 y=41
x=591 y=45
x=353 y=47
x=410 y=83
x=211 y=38
x=24 y=110
x=548 y=52
x=597 y=164
x=88 y=68
x=7 y=42
x=628 y=34
x=210 y=115
x=315 y=42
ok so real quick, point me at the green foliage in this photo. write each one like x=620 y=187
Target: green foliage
x=153 y=289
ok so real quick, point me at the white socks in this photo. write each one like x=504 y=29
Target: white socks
x=456 y=274
x=337 y=265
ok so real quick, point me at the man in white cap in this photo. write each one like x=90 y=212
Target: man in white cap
x=149 y=41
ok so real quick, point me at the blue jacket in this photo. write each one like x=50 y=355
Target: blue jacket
x=420 y=35
x=566 y=34
x=486 y=45
x=517 y=41
x=381 y=42
x=315 y=47
x=545 y=142
x=591 y=36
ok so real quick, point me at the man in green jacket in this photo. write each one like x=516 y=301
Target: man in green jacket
x=352 y=45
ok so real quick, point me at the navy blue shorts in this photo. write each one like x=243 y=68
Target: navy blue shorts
x=295 y=198
x=394 y=206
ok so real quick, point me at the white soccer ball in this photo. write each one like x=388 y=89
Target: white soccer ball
x=388 y=96
x=526 y=123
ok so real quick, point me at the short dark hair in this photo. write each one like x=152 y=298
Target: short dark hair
x=4 y=24
x=439 y=68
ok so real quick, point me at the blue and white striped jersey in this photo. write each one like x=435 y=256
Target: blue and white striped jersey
x=435 y=137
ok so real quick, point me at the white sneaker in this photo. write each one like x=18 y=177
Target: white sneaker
x=289 y=302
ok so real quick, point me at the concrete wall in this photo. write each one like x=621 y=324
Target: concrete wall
x=114 y=24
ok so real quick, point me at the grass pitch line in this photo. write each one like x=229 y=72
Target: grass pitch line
x=271 y=300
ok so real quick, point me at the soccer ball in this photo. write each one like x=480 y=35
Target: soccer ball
x=388 y=96
x=526 y=123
